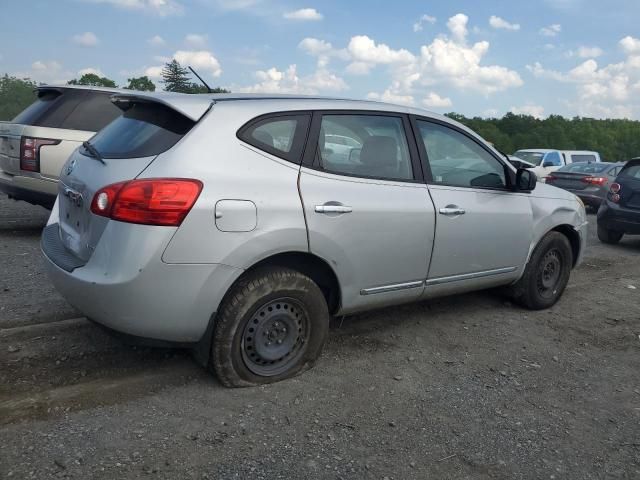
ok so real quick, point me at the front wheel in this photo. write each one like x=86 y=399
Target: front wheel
x=271 y=326
x=609 y=236
x=547 y=273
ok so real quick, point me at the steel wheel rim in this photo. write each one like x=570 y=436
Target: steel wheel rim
x=549 y=273
x=275 y=337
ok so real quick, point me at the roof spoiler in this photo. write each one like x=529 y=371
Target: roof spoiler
x=191 y=106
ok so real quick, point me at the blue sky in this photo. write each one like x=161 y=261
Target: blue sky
x=476 y=57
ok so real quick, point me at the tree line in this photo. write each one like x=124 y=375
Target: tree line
x=615 y=139
x=18 y=93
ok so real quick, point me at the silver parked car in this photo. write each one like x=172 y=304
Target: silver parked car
x=216 y=221
x=37 y=142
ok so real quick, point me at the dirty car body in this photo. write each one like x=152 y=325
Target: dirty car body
x=420 y=207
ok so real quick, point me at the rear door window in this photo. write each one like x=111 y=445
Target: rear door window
x=143 y=130
x=74 y=109
x=93 y=113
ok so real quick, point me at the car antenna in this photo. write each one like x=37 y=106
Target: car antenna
x=200 y=78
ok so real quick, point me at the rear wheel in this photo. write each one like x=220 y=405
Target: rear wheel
x=547 y=273
x=272 y=326
x=609 y=236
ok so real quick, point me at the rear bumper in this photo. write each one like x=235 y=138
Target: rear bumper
x=32 y=190
x=614 y=217
x=132 y=291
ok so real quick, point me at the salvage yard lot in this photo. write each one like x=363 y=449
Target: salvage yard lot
x=464 y=387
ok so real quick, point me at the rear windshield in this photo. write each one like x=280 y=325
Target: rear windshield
x=144 y=130
x=531 y=157
x=582 y=158
x=585 y=168
x=35 y=111
x=631 y=170
x=72 y=109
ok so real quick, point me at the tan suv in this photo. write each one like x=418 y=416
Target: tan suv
x=36 y=143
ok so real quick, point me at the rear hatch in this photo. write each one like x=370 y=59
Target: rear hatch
x=629 y=181
x=10 y=134
x=125 y=148
x=62 y=116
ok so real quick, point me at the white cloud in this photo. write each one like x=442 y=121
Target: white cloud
x=390 y=97
x=90 y=70
x=365 y=54
x=419 y=25
x=551 y=30
x=609 y=90
x=433 y=100
x=314 y=46
x=195 y=40
x=500 y=23
x=153 y=72
x=162 y=8
x=46 y=71
x=200 y=60
x=156 y=41
x=457 y=25
x=586 y=52
x=86 y=39
x=536 y=111
x=630 y=44
x=304 y=14
x=288 y=81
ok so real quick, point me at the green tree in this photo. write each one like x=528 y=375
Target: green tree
x=15 y=95
x=142 y=84
x=93 y=80
x=199 y=88
x=175 y=77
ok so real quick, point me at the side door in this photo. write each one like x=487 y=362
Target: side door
x=483 y=230
x=368 y=211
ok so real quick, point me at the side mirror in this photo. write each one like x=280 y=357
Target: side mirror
x=548 y=164
x=526 y=180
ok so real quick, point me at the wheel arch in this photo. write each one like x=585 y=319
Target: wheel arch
x=574 y=240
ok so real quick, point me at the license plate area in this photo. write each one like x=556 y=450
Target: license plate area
x=73 y=219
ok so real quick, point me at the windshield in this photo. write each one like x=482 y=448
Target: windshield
x=585 y=168
x=532 y=157
x=144 y=130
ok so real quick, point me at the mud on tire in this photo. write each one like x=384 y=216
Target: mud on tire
x=271 y=326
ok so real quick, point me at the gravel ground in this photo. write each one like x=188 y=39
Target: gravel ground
x=464 y=387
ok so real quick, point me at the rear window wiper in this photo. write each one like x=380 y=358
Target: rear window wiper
x=93 y=151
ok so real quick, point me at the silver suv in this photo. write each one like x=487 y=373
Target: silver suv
x=35 y=144
x=225 y=223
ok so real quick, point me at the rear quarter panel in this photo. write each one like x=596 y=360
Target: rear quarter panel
x=53 y=157
x=233 y=170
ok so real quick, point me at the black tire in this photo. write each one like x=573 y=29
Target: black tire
x=271 y=326
x=609 y=236
x=547 y=273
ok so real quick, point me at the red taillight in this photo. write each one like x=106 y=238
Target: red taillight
x=30 y=152
x=154 y=201
x=595 y=180
x=614 y=189
x=550 y=179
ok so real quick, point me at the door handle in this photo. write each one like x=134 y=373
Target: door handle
x=333 y=209
x=452 y=210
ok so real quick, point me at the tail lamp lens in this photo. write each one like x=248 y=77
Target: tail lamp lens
x=30 y=152
x=595 y=180
x=615 y=188
x=154 y=201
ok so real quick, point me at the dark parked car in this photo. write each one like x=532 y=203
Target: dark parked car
x=619 y=214
x=589 y=181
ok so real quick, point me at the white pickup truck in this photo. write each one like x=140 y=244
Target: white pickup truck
x=549 y=160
